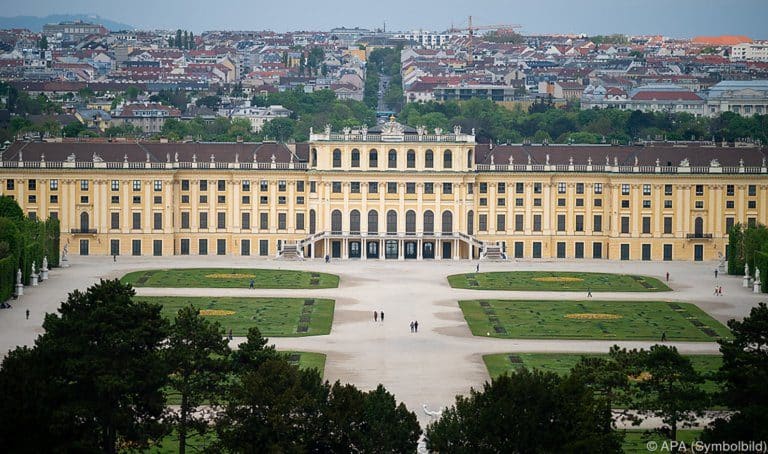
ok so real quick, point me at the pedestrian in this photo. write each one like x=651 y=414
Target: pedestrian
x=716 y=289
x=253 y=284
x=230 y=334
x=327 y=258
x=715 y=273
x=416 y=326
x=114 y=258
x=664 y=336
x=382 y=316
x=589 y=292
x=667 y=276
x=375 y=316
x=27 y=314
x=411 y=326
x=720 y=291
x=477 y=268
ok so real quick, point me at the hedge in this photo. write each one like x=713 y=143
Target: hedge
x=7 y=277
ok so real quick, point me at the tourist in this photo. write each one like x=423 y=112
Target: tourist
x=589 y=292
x=667 y=276
x=27 y=314
x=382 y=316
x=375 y=316
x=411 y=326
x=720 y=291
x=664 y=336
x=477 y=268
x=114 y=257
x=715 y=273
x=327 y=258
x=416 y=326
x=716 y=289
x=230 y=334
x=252 y=284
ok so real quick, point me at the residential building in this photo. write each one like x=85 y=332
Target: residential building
x=149 y=118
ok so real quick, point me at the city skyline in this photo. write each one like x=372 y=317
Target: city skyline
x=680 y=19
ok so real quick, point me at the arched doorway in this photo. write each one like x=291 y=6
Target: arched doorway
x=471 y=222
x=429 y=223
x=312 y=221
x=354 y=222
x=336 y=222
x=698 y=227
x=84 y=222
x=410 y=222
x=447 y=227
x=373 y=222
x=391 y=222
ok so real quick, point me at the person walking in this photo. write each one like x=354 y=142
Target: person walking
x=411 y=326
x=667 y=276
x=382 y=316
x=664 y=336
x=230 y=334
x=716 y=289
x=253 y=284
x=720 y=291
x=477 y=268
x=375 y=316
x=114 y=258
x=416 y=326
x=27 y=314
x=589 y=292
x=715 y=273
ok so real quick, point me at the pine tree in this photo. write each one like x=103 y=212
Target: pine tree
x=185 y=43
x=191 y=40
x=178 y=38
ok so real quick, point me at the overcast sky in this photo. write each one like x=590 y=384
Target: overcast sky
x=676 y=18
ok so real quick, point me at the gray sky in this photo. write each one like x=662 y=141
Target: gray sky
x=676 y=18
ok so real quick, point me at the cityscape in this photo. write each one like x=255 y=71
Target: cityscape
x=499 y=234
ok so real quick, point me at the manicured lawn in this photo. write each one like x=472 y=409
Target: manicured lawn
x=557 y=281
x=635 y=443
x=196 y=443
x=275 y=317
x=308 y=360
x=230 y=278
x=612 y=320
x=562 y=363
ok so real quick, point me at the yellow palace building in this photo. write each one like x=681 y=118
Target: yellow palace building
x=391 y=192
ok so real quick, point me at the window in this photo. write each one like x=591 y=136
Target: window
x=624 y=189
x=700 y=204
x=536 y=253
x=263 y=185
x=537 y=202
x=625 y=203
x=597 y=223
x=355 y=158
x=447 y=159
x=373 y=222
x=300 y=200
x=221 y=247
x=646 y=224
x=221 y=199
x=483 y=201
x=184 y=185
x=281 y=200
x=221 y=220
x=729 y=189
x=667 y=189
x=598 y=188
x=501 y=188
x=391 y=188
x=579 y=188
x=136 y=221
x=699 y=189
x=561 y=223
x=519 y=202
x=501 y=201
x=246 y=200
x=537 y=223
x=264 y=200
x=410 y=188
x=245 y=221
x=299 y=186
x=646 y=189
x=55 y=198
x=519 y=188
x=751 y=204
x=114 y=220
x=752 y=222
x=136 y=247
x=373 y=158
x=482 y=222
x=447 y=188
x=392 y=159
x=203 y=220
x=32 y=198
x=579 y=202
x=667 y=225
x=729 y=221
x=158 y=185
x=336 y=158
x=354 y=187
x=54 y=184
x=185 y=219
x=373 y=187
x=264 y=221
x=429 y=188
x=751 y=190
x=84 y=185
x=246 y=185
x=561 y=188
x=483 y=188
x=281 y=221
x=391 y=222
x=519 y=219
x=579 y=222
x=299 y=221
x=221 y=185
x=9 y=185
x=560 y=249
x=537 y=188
x=501 y=223
x=598 y=202
x=410 y=159
x=336 y=187
x=646 y=203
x=32 y=185
x=245 y=247
x=263 y=247
x=312 y=186
x=625 y=224
x=157 y=221
x=561 y=202
x=84 y=199
x=137 y=185
x=157 y=200
x=667 y=204
x=429 y=159
x=281 y=186
x=729 y=204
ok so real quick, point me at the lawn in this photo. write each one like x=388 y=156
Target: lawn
x=230 y=278
x=557 y=281
x=562 y=363
x=275 y=317
x=590 y=319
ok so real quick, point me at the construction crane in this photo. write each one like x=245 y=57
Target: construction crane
x=471 y=30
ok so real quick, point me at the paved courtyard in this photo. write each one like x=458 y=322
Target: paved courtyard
x=429 y=367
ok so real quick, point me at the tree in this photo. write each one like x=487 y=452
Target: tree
x=98 y=370
x=742 y=376
x=607 y=377
x=668 y=388
x=279 y=129
x=9 y=208
x=132 y=92
x=178 y=38
x=212 y=101
x=73 y=129
x=528 y=411
x=196 y=356
x=191 y=42
x=43 y=43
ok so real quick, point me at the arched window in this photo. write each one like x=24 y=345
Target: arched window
x=314 y=158
x=337 y=158
x=447 y=159
x=447 y=222
x=698 y=226
x=470 y=222
x=373 y=222
x=410 y=159
x=469 y=159
x=429 y=159
x=410 y=222
x=84 y=222
x=373 y=158
x=429 y=223
x=391 y=222
x=354 y=222
x=355 y=158
x=312 y=221
x=392 y=160
x=336 y=221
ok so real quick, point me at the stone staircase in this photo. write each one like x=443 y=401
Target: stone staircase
x=493 y=253
x=291 y=252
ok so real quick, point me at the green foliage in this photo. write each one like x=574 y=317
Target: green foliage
x=748 y=245
x=212 y=102
x=73 y=129
x=176 y=98
x=743 y=376
x=279 y=129
x=504 y=36
x=9 y=208
x=527 y=409
x=609 y=39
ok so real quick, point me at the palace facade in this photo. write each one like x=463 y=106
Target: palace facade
x=391 y=192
